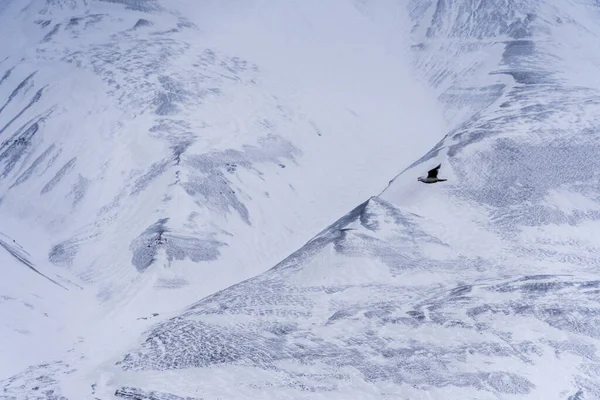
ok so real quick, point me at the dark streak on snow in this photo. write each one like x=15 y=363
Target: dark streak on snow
x=43 y=22
x=60 y=174
x=34 y=99
x=156 y=169
x=14 y=148
x=79 y=189
x=171 y=283
x=17 y=90
x=50 y=34
x=6 y=76
x=34 y=166
x=139 y=394
x=22 y=256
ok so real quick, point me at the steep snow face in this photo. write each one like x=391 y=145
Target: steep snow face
x=381 y=305
x=485 y=286
x=154 y=152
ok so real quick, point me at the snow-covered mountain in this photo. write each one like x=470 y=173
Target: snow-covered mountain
x=482 y=287
x=155 y=152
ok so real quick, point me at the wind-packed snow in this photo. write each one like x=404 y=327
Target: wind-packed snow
x=160 y=157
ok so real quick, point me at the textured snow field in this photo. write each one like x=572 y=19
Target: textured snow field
x=147 y=113
x=189 y=148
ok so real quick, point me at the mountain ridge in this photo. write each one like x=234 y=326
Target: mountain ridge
x=483 y=286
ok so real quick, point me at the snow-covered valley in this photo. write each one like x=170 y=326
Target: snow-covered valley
x=158 y=158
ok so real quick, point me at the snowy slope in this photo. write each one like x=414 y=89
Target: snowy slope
x=152 y=153
x=483 y=287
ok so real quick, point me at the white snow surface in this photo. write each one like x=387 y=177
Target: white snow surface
x=157 y=158
x=156 y=153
